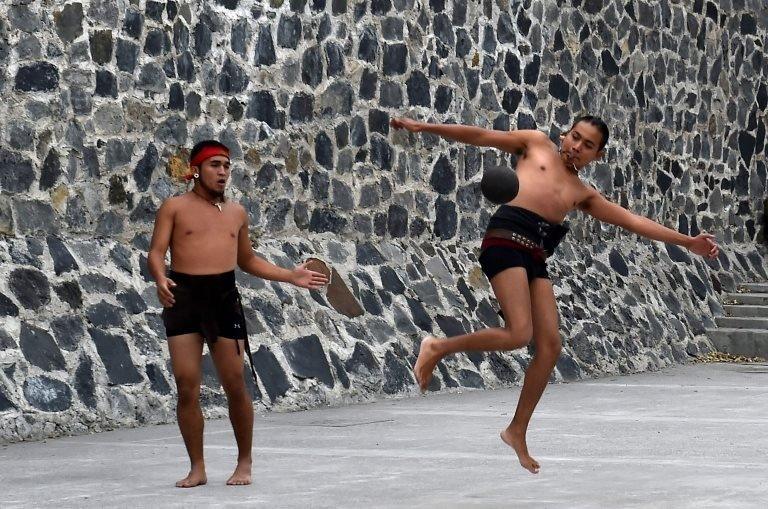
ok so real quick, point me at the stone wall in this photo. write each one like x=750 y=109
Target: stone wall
x=102 y=98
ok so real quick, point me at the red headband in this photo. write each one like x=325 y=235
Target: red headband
x=206 y=153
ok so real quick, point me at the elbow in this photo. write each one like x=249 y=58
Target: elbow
x=153 y=255
x=245 y=263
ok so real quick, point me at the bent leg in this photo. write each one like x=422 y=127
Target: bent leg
x=186 y=361
x=511 y=289
x=229 y=365
x=546 y=339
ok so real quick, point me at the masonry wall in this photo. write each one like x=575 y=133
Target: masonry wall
x=102 y=99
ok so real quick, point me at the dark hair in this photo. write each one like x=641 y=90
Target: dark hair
x=597 y=122
x=206 y=143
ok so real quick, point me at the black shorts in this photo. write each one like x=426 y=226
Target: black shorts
x=205 y=304
x=495 y=259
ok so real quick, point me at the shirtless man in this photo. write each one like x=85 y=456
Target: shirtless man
x=520 y=235
x=208 y=237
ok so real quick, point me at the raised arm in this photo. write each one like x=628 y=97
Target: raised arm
x=598 y=206
x=161 y=238
x=251 y=263
x=509 y=141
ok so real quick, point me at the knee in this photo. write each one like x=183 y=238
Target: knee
x=234 y=387
x=517 y=335
x=188 y=390
x=549 y=348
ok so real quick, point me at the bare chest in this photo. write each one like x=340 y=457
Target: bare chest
x=546 y=185
x=207 y=224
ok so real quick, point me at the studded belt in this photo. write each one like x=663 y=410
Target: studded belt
x=524 y=241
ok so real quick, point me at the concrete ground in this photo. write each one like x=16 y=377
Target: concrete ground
x=689 y=436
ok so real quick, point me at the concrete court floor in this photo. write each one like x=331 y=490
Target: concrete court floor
x=688 y=436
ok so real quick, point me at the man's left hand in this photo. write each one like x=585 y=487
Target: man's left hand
x=705 y=245
x=305 y=278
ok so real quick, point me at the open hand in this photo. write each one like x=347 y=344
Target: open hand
x=705 y=245
x=164 y=293
x=305 y=278
x=406 y=123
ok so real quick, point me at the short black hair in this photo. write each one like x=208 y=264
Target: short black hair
x=597 y=122
x=206 y=143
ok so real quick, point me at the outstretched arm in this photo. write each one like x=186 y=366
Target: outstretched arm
x=598 y=206
x=249 y=262
x=509 y=141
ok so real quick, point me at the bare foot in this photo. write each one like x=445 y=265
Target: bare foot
x=426 y=362
x=242 y=474
x=196 y=477
x=517 y=442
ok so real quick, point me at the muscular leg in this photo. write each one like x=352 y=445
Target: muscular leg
x=186 y=360
x=546 y=338
x=229 y=365
x=511 y=289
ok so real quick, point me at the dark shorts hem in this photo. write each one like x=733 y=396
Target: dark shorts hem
x=169 y=333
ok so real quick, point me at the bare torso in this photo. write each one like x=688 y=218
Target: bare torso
x=547 y=187
x=204 y=240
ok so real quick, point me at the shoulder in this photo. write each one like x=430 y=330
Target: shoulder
x=531 y=136
x=536 y=139
x=171 y=204
x=238 y=209
x=588 y=195
x=540 y=137
x=522 y=141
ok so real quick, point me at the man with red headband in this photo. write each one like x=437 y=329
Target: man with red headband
x=208 y=237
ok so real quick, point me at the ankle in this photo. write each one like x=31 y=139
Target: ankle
x=245 y=460
x=516 y=429
x=438 y=347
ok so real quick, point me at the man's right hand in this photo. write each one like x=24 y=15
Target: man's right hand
x=406 y=123
x=164 y=293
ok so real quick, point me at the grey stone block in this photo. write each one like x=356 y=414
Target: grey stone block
x=747 y=342
x=751 y=299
